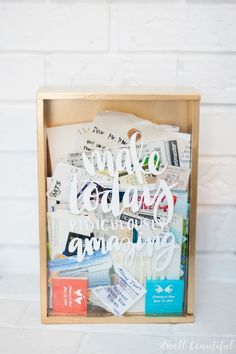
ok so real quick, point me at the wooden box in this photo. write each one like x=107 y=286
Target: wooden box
x=60 y=106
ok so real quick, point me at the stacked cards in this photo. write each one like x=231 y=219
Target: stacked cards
x=118 y=201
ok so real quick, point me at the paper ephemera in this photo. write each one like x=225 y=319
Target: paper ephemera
x=120 y=297
x=118 y=208
x=177 y=176
x=168 y=151
x=65 y=139
x=60 y=224
x=59 y=188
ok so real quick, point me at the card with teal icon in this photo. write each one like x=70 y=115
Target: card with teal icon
x=164 y=297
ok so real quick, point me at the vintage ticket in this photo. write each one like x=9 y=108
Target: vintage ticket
x=174 y=175
x=59 y=188
x=120 y=297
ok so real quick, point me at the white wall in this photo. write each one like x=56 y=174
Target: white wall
x=181 y=42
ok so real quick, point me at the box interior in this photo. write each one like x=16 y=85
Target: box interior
x=64 y=111
x=58 y=112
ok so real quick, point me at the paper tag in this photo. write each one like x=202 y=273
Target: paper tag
x=70 y=295
x=164 y=296
x=120 y=297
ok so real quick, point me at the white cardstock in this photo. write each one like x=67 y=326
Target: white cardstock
x=64 y=139
x=120 y=297
x=176 y=175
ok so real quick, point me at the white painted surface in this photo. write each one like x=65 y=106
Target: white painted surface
x=182 y=42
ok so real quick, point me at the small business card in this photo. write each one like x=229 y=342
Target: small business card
x=69 y=295
x=164 y=297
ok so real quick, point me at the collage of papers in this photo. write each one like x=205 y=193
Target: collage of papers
x=117 y=216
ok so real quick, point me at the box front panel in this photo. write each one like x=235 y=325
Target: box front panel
x=115 y=247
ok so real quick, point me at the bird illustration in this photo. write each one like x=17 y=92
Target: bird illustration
x=79 y=297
